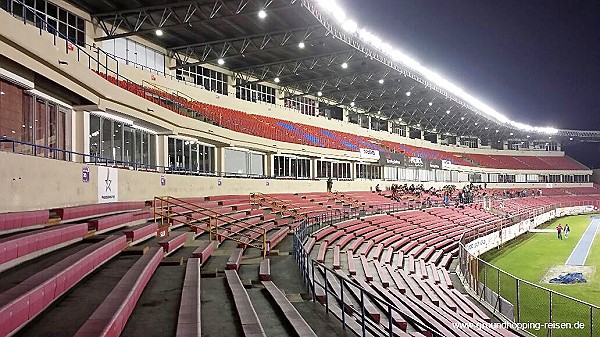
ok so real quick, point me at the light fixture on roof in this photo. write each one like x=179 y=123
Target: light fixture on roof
x=486 y=128
x=549 y=137
x=352 y=104
x=320 y=94
x=277 y=80
x=447 y=112
x=158 y=32
x=511 y=133
x=301 y=45
x=570 y=138
x=476 y=124
x=344 y=65
x=528 y=136
x=430 y=103
x=462 y=118
x=408 y=93
x=262 y=14
x=221 y=61
x=351 y=27
x=434 y=130
x=381 y=81
x=497 y=131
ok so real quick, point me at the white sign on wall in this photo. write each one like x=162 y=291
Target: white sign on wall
x=369 y=154
x=108 y=185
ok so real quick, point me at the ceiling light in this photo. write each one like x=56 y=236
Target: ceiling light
x=352 y=104
x=430 y=103
x=486 y=128
x=262 y=14
x=447 y=111
x=320 y=94
x=301 y=45
x=476 y=124
x=571 y=138
x=381 y=81
x=221 y=62
x=511 y=133
x=159 y=32
x=497 y=130
x=434 y=130
x=408 y=93
x=277 y=80
x=462 y=118
x=344 y=65
x=528 y=136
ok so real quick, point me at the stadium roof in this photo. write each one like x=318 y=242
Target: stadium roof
x=308 y=46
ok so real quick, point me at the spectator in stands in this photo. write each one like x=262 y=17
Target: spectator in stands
x=446 y=199
x=329 y=184
x=567 y=230
x=377 y=189
x=559 y=230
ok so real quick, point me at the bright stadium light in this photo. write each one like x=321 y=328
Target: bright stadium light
x=351 y=27
x=301 y=45
x=345 y=65
x=430 y=103
x=352 y=104
x=320 y=94
x=262 y=14
x=381 y=81
x=158 y=32
x=277 y=80
x=221 y=61
x=447 y=112
x=408 y=93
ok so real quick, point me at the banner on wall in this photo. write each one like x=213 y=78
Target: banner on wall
x=418 y=162
x=435 y=164
x=392 y=159
x=369 y=154
x=108 y=184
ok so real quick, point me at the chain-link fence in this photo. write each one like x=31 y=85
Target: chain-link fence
x=531 y=307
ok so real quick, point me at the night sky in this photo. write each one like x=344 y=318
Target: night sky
x=535 y=61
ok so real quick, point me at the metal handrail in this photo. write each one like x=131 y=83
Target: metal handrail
x=166 y=208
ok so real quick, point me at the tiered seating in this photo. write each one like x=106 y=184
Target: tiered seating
x=140 y=233
x=296 y=321
x=18 y=248
x=88 y=211
x=26 y=300
x=403 y=257
x=18 y=221
x=112 y=315
x=173 y=242
x=248 y=318
x=116 y=221
x=189 y=321
x=291 y=132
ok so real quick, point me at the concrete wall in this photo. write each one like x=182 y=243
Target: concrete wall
x=39 y=183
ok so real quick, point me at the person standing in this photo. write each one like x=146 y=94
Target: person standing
x=329 y=184
x=559 y=230
x=567 y=230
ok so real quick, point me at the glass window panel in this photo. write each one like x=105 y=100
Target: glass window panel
x=118 y=141
x=107 y=139
x=146 y=148
x=129 y=145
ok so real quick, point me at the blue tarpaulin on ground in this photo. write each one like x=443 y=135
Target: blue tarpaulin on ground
x=569 y=278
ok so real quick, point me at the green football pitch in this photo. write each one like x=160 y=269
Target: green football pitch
x=530 y=257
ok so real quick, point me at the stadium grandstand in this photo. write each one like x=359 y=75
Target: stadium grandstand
x=257 y=168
